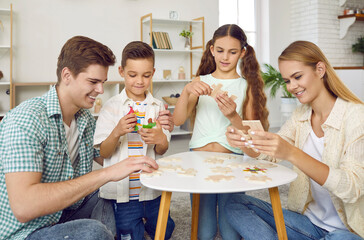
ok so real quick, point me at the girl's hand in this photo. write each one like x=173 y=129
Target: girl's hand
x=153 y=135
x=272 y=144
x=126 y=125
x=226 y=105
x=198 y=88
x=166 y=120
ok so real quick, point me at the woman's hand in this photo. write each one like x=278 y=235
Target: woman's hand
x=198 y=88
x=226 y=105
x=271 y=144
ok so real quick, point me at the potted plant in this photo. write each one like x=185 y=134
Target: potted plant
x=273 y=79
x=359 y=46
x=187 y=35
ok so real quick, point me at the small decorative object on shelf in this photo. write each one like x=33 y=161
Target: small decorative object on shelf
x=187 y=35
x=172 y=99
x=1 y=26
x=98 y=105
x=359 y=47
x=181 y=73
x=173 y=15
x=167 y=74
x=1 y=75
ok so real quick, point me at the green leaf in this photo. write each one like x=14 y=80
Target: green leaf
x=273 y=79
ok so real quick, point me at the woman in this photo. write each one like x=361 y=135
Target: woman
x=324 y=140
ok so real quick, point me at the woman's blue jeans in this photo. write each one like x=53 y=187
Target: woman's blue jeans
x=253 y=219
x=129 y=219
x=211 y=212
x=93 y=219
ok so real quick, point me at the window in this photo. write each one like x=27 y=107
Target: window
x=242 y=13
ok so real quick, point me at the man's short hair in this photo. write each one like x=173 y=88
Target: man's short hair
x=137 y=50
x=79 y=52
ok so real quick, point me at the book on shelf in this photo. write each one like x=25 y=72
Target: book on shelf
x=169 y=41
x=161 y=40
x=154 y=41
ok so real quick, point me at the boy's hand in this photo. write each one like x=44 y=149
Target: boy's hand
x=226 y=105
x=198 y=88
x=153 y=135
x=126 y=125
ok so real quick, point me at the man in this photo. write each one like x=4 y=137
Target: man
x=46 y=153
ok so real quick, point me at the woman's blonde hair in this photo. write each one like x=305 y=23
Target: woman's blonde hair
x=310 y=54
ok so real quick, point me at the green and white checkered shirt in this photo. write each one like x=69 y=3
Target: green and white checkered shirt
x=32 y=139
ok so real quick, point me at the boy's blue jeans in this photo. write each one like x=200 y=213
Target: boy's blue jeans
x=92 y=220
x=253 y=219
x=211 y=214
x=129 y=219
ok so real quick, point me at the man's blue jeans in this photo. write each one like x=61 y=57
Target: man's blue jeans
x=93 y=220
x=253 y=219
x=129 y=219
x=211 y=213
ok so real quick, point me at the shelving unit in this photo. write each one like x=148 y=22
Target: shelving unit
x=6 y=59
x=111 y=88
x=346 y=21
x=175 y=57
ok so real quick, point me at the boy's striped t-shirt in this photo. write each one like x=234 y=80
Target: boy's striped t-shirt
x=136 y=148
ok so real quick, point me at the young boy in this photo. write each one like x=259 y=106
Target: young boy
x=120 y=134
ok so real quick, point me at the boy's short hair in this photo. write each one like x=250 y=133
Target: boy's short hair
x=137 y=50
x=79 y=52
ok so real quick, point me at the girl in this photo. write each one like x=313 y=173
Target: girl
x=324 y=140
x=218 y=66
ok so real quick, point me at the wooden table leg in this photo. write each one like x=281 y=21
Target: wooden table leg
x=195 y=210
x=278 y=214
x=163 y=215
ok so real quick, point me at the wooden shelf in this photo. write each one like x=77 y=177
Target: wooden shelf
x=171 y=81
x=5 y=83
x=170 y=21
x=347 y=20
x=350 y=68
x=358 y=16
x=177 y=51
x=5 y=11
x=178 y=131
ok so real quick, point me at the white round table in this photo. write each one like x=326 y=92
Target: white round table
x=171 y=181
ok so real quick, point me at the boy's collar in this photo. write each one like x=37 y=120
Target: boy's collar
x=149 y=99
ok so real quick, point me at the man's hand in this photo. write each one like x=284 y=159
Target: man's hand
x=129 y=165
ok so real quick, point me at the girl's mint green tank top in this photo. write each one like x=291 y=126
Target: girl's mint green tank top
x=210 y=123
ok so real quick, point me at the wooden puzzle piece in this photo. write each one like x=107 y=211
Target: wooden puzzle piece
x=170 y=168
x=266 y=165
x=167 y=159
x=255 y=170
x=218 y=178
x=155 y=173
x=258 y=179
x=240 y=165
x=214 y=160
x=190 y=172
x=217 y=90
x=222 y=170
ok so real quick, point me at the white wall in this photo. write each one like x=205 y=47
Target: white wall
x=41 y=27
x=316 y=21
x=279 y=39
